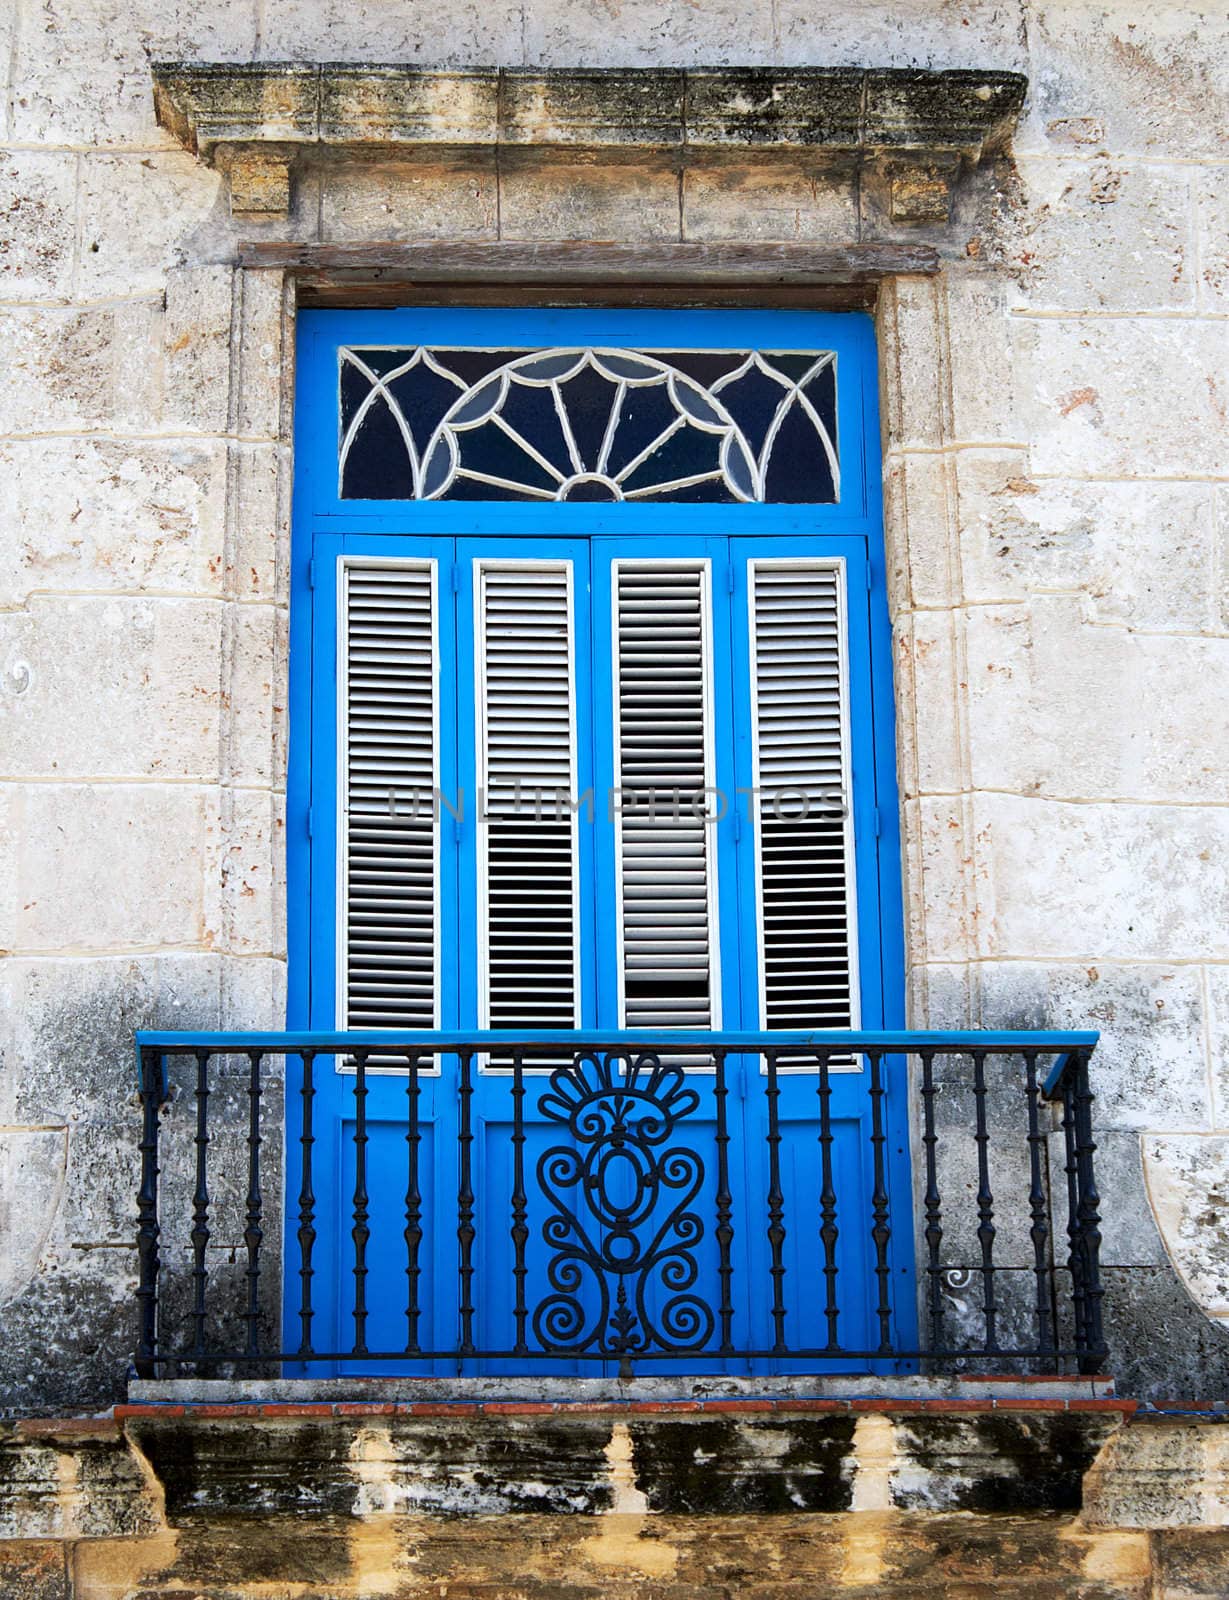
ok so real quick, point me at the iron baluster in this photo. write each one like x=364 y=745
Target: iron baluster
x=881 y=1230
x=153 y=1068
x=413 y=1207
x=1089 y=1217
x=985 y=1202
x=932 y=1203
x=200 y=1206
x=724 y=1232
x=828 y=1230
x=520 y=1226
x=307 y=1207
x=465 y=1203
x=360 y=1232
x=776 y=1205
x=1074 y=1263
x=1039 y=1210
x=253 y=1233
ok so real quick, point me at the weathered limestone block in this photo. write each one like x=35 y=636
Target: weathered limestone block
x=1139 y=551
x=980 y=360
x=105 y=514
x=787 y=200
x=254 y=674
x=74 y=1479
x=244 y=907
x=918 y=516
x=1094 y=711
x=154 y=707
x=411 y=200
x=72 y=1023
x=1003 y=1462
x=1192 y=1563
x=259 y=548
x=564 y=33
x=1122 y=397
x=34 y=1570
x=1216 y=980
x=197 y=335
x=1212 y=212
x=140 y=215
x=1122 y=880
x=915 y=33
x=82 y=66
x=1106 y=234
x=91 y=368
x=916 y=408
x=258 y=180
x=1156 y=85
x=574 y=200
x=33 y=1165
x=1161 y=1473
x=95 y=873
x=947 y=879
x=37 y=202
x=927 y=675
x=467 y=33
x=1188 y=1181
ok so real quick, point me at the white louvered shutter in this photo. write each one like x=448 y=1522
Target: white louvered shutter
x=388 y=828
x=663 y=761
x=527 y=773
x=802 y=778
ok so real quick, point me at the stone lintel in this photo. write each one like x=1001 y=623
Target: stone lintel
x=255 y=121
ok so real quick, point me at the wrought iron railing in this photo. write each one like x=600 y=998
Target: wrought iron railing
x=717 y=1202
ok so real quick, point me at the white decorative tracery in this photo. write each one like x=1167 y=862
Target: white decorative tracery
x=605 y=473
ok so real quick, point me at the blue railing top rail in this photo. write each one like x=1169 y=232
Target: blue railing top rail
x=1060 y=1042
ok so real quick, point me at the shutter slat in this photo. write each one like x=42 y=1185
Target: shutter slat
x=802 y=779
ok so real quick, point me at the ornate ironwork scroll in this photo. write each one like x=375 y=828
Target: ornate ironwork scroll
x=622 y=1231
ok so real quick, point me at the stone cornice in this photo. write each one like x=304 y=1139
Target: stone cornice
x=255 y=121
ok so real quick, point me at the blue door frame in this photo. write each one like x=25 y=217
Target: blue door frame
x=327 y=528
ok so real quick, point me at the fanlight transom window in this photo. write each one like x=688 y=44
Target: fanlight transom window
x=574 y=423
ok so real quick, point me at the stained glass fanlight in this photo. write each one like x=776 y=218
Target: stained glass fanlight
x=575 y=423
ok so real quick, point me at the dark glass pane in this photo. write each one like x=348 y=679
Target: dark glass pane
x=471 y=366
x=798 y=469
x=469 y=489
x=645 y=414
x=685 y=453
x=587 y=399
x=532 y=413
x=712 y=491
x=355 y=387
x=489 y=449
x=752 y=401
x=705 y=366
x=794 y=364
x=377 y=467
x=424 y=397
x=821 y=392
x=593 y=489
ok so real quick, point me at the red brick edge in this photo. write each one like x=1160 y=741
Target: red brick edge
x=542 y=1408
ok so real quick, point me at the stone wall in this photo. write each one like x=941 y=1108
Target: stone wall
x=393 y=1502
x=1055 y=437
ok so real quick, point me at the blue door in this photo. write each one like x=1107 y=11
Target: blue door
x=591 y=730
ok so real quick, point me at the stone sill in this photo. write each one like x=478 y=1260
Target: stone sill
x=545 y=1393
x=254 y=122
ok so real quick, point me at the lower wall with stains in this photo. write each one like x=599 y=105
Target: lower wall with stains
x=1048 y=1498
